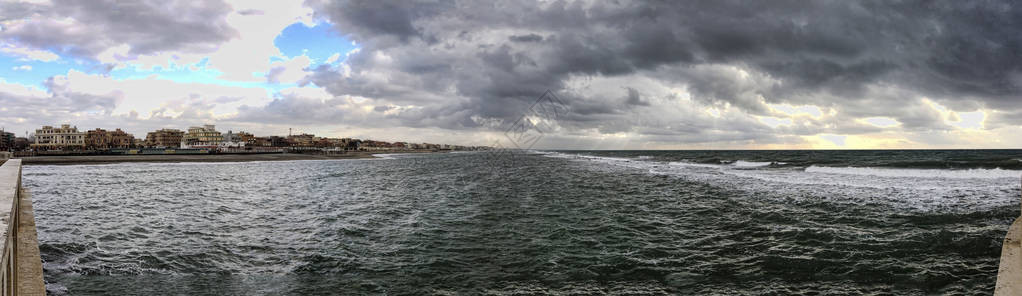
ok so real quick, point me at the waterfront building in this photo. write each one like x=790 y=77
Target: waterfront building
x=351 y=144
x=6 y=141
x=164 y=138
x=230 y=136
x=21 y=143
x=372 y=145
x=232 y=140
x=303 y=140
x=61 y=138
x=259 y=142
x=103 y=139
x=278 y=141
x=245 y=137
x=334 y=142
x=202 y=136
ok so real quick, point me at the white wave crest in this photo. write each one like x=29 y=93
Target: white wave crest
x=695 y=165
x=604 y=158
x=751 y=164
x=917 y=173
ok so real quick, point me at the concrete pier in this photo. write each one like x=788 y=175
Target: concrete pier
x=21 y=270
x=1009 y=271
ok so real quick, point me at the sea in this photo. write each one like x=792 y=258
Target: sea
x=862 y=222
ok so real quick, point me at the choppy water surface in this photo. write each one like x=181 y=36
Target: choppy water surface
x=622 y=223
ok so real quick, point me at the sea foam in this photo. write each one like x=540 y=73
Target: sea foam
x=751 y=164
x=917 y=173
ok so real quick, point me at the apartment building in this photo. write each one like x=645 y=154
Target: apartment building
x=201 y=136
x=164 y=138
x=64 y=137
x=103 y=139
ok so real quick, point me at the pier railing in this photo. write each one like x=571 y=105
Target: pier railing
x=21 y=270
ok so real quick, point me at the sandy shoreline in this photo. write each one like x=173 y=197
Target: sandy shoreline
x=103 y=159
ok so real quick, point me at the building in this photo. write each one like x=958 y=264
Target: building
x=164 y=138
x=351 y=144
x=21 y=143
x=102 y=139
x=246 y=137
x=202 y=136
x=65 y=137
x=278 y=141
x=371 y=145
x=230 y=136
x=303 y=140
x=259 y=142
x=232 y=140
x=6 y=141
x=335 y=142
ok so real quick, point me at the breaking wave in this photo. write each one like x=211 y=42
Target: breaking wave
x=751 y=164
x=917 y=173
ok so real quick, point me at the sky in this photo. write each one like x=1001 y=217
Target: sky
x=628 y=74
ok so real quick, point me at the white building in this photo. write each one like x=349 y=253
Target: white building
x=65 y=136
x=204 y=136
x=230 y=136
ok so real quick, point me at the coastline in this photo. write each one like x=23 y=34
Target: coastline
x=107 y=159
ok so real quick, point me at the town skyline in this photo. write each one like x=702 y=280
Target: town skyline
x=286 y=132
x=66 y=138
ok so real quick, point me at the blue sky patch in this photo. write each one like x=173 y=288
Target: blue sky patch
x=33 y=73
x=318 y=42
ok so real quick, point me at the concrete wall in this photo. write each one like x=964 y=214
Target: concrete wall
x=1009 y=272
x=21 y=269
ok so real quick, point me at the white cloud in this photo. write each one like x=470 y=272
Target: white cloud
x=289 y=71
x=26 y=53
x=970 y=120
x=307 y=92
x=18 y=89
x=883 y=122
x=22 y=68
x=791 y=110
x=333 y=58
x=250 y=53
x=241 y=58
x=152 y=96
x=962 y=120
x=774 y=122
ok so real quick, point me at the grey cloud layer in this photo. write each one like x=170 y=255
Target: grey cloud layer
x=87 y=28
x=861 y=58
x=649 y=68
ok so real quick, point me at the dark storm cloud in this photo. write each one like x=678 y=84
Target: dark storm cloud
x=526 y=38
x=383 y=18
x=634 y=98
x=146 y=26
x=488 y=59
